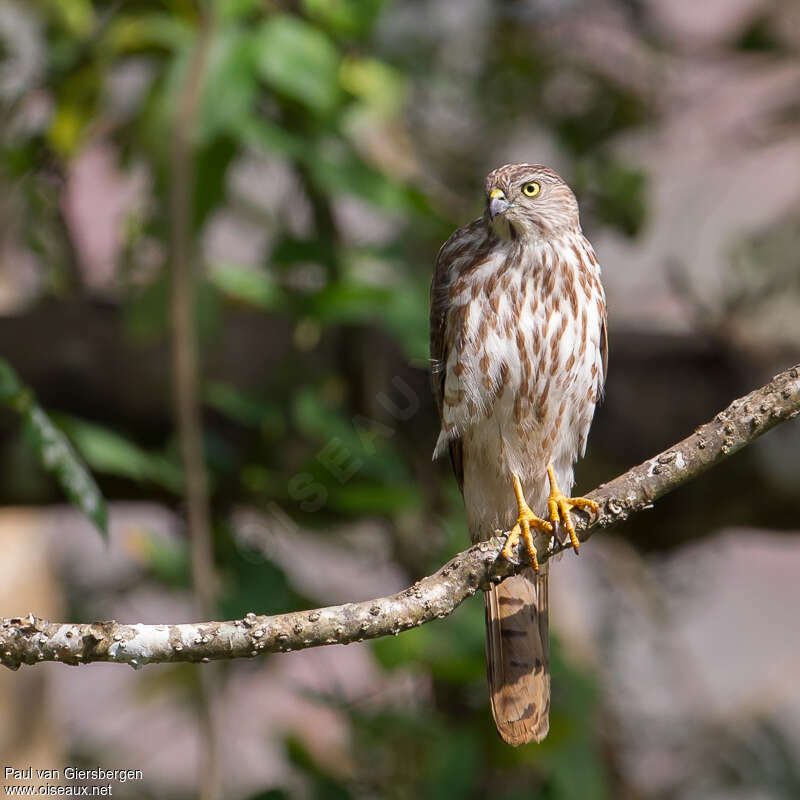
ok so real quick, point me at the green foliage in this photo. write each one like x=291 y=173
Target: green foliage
x=109 y=452
x=616 y=193
x=246 y=410
x=451 y=650
x=167 y=561
x=380 y=87
x=253 y=287
x=299 y=61
x=252 y=583
x=345 y=17
x=53 y=449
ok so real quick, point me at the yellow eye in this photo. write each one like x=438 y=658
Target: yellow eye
x=531 y=189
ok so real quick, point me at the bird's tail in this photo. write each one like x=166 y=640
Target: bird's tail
x=518 y=655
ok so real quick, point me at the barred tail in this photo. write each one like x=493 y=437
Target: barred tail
x=518 y=656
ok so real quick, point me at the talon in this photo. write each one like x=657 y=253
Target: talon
x=559 y=506
x=521 y=530
x=525 y=521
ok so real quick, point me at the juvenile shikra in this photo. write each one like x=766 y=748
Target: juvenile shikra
x=519 y=351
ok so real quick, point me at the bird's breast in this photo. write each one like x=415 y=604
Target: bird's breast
x=523 y=361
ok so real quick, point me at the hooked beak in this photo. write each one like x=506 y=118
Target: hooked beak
x=497 y=203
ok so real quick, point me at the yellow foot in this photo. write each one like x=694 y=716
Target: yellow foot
x=559 y=506
x=525 y=521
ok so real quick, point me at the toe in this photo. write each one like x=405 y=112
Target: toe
x=511 y=540
x=584 y=502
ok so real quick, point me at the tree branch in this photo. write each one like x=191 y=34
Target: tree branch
x=30 y=640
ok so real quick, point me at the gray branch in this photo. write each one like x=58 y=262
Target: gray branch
x=31 y=639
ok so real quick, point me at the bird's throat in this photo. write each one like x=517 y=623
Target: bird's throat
x=502 y=228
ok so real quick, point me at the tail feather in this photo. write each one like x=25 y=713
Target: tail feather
x=518 y=656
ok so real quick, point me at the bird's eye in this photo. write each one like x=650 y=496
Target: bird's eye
x=531 y=189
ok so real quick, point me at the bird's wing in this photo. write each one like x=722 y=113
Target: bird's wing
x=601 y=378
x=441 y=335
x=440 y=303
x=604 y=344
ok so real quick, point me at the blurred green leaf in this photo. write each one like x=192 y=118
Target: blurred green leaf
x=345 y=17
x=417 y=751
x=617 y=193
x=374 y=82
x=319 y=421
x=12 y=393
x=401 y=309
x=454 y=765
x=262 y=134
x=255 y=478
x=608 y=109
x=230 y=83
x=212 y=160
x=337 y=169
x=350 y=302
x=168 y=561
x=133 y=33
x=453 y=650
x=344 y=442
x=291 y=250
x=246 y=284
x=406 y=320
x=54 y=449
x=76 y=15
x=76 y=109
x=367 y=498
x=147 y=311
x=59 y=459
x=244 y=409
x=252 y=583
x=109 y=452
x=299 y=61
x=233 y=10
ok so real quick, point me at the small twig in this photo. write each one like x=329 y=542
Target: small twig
x=30 y=640
x=185 y=380
x=184 y=334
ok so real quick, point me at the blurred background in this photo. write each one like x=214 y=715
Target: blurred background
x=283 y=174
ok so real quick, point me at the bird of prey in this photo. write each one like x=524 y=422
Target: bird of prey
x=519 y=353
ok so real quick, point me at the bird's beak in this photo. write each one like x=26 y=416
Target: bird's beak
x=497 y=203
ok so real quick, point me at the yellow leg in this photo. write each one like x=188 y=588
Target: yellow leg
x=559 y=506
x=525 y=521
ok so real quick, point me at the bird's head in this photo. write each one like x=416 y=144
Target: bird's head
x=529 y=201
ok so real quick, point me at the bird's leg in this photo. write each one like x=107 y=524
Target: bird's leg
x=525 y=521
x=559 y=506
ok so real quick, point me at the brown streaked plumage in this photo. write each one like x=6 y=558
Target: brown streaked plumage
x=519 y=349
